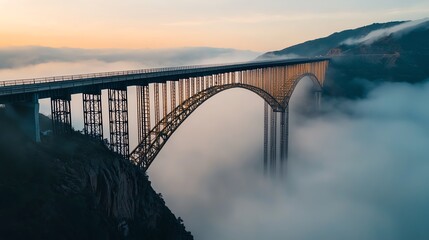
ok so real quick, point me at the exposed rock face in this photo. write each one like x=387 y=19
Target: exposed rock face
x=334 y=52
x=75 y=188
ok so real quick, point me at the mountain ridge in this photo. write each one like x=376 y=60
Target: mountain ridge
x=302 y=50
x=365 y=57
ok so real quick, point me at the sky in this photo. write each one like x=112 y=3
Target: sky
x=152 y=24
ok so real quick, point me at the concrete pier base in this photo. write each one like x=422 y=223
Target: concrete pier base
x=26 y=114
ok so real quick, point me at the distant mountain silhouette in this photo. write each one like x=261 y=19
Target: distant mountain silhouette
x=366 y=56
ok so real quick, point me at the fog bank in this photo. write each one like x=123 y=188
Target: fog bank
x=357 y=171
x=34 y=61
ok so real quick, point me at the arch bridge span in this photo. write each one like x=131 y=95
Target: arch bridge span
x=165 y=98
x=275 y=85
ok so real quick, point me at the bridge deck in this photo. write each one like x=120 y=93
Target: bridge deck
x=16 y=90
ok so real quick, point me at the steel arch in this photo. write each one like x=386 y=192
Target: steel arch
x=316 y=84
x=144 y=154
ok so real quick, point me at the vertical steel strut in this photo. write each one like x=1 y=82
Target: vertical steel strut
x=61 y=115
x=180 y=92
x=118 y=121
x=203 y=80
x=172 y=95
x=143 y=114
x=187 y=88
x=284 y=139
x=92 y=115
x=156 y=105
x=192 y=86
x=164 y=101
x=318 y=100
x=266 y=138
x=273 y=143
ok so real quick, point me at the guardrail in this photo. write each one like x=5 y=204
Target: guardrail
x=30 y=85
x=127 y=72
x=96 y=75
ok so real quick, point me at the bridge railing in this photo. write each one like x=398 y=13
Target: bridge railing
x=23 y=82
x=112 y=74
x=97 y=75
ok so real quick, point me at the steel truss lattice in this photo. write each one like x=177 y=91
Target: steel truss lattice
x=118 y=121
x=274 y=84
x=61 y=115
x=144 y=154
x=92 y=115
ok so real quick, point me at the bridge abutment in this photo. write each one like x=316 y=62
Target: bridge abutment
x=26 y=114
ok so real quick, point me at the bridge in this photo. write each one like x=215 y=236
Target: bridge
x=165 y=98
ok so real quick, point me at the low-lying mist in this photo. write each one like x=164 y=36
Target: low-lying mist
x=34 y=61
x=357 y=170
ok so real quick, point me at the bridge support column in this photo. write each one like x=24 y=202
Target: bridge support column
x=197 y=84
x=118 y=121
x=284 y=140
x=164 y=101
x=92 y=115
x=61 y=115
x=266 y=138
x=187 y=88
x=318 y=99
x=26 y=114
x=156 y=105
x=192 y=86
x=273 y=143
x=143 y=114
x=181 y=92
x=172 y=95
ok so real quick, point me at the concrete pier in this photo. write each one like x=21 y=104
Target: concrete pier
x=26 y=114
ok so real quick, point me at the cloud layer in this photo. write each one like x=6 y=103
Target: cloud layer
x=378 y=34
x=357 y=171
x=43 y=61
x=33 y=62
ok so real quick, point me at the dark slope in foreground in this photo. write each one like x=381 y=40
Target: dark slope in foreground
x=355 y=67
x=75 y=188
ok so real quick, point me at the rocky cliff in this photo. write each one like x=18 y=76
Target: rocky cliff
x=75 y=188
